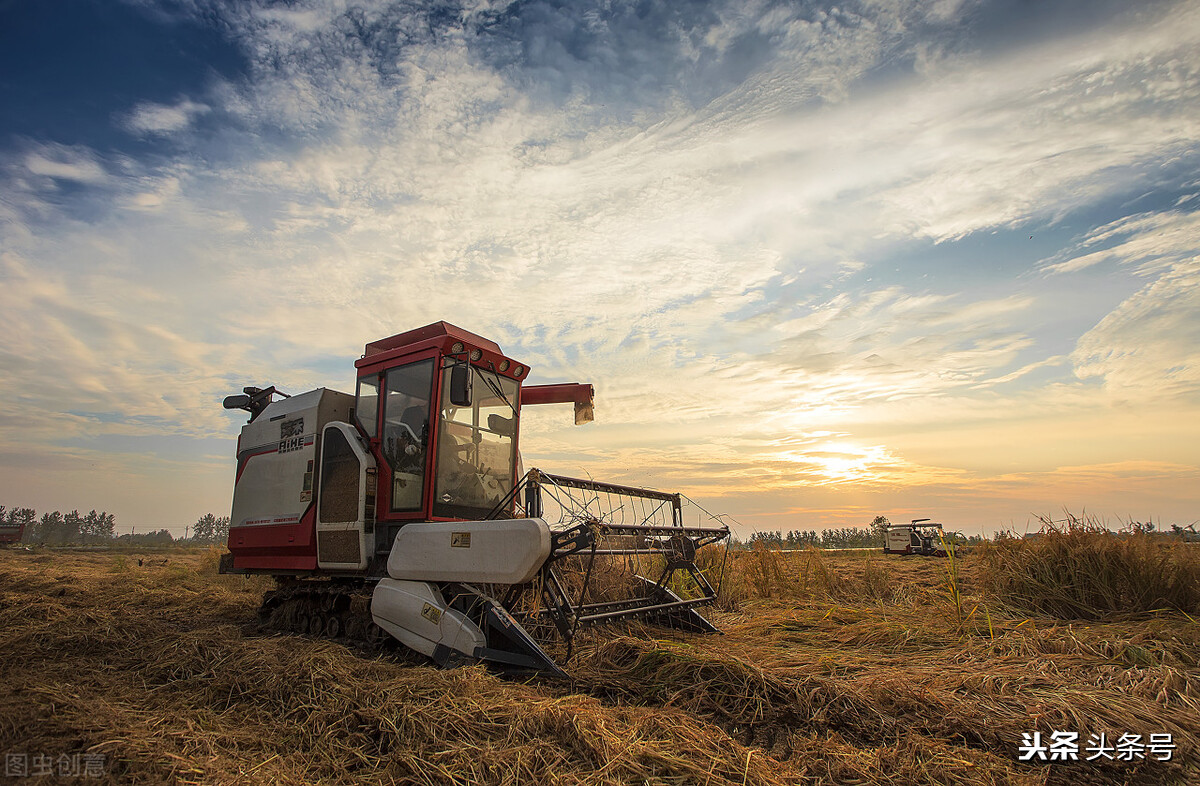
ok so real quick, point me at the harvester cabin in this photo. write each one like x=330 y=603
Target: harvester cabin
x=439 y=407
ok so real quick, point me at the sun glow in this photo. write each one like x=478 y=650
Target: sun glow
x=841 y=462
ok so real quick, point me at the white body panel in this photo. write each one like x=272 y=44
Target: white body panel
x=898 y=539
x=279 y=449
x=505 y=551
x=416 y=613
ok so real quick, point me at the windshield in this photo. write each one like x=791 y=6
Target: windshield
x=476 y=446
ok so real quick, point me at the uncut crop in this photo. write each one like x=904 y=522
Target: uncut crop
x=1083 y=571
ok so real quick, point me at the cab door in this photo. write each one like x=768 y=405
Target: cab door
x=346 y=501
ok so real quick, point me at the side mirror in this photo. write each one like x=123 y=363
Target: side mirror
x=460 y=385
x=253 y=400
x=239 y=401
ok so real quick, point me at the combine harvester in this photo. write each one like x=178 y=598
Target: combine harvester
x=401 y=512
x=922 y=536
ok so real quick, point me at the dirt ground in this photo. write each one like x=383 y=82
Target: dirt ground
x=848 y=667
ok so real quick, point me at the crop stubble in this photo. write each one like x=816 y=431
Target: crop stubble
x=834 y=668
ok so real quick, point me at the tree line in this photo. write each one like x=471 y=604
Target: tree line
x=97 y=527
x=58 y=528
x=870 y=536
x=839 y=538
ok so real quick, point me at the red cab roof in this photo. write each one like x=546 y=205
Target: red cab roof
x=434 y=331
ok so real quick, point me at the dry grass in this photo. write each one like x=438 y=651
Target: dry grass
x=761 y=574
x=845 y=668
x=1082 y=571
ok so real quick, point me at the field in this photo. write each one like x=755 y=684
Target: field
x=847 y=667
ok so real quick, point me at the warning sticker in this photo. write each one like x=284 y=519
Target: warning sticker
x=460 y=540
x=431 y=613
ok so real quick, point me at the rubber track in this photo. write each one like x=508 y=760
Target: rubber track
x=335 y=610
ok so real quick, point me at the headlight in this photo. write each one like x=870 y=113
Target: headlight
x=456 y=348
x=476 y=354
x=504 y=365
x=518 y=371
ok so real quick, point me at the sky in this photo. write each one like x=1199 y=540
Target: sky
x=822 y=262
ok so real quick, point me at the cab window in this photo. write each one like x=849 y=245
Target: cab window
x=405 y=438
x=366 y=405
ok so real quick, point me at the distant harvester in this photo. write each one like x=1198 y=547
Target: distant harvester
x=922 y=536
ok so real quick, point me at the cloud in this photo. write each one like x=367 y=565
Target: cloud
x=75 y=367
x=1146 y=348
x=1149 y=347
x=61 y=162
x=1148 y=242
x=151 y=118
x=1123 y=489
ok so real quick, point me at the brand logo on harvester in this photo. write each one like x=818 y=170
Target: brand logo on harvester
x=291 y=435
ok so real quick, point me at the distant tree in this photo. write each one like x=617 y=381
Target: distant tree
x=205 y=526
x=72 y=527
x=49 y=529
x=86 y=525
x=211 y=529
x=162 y=536
x=97 y=526
x=109 y=523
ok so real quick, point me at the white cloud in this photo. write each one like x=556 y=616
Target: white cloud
x=151 y=118
x=65 y=163
x=1149 y=242
x=1146 y=348
x=1149 y=347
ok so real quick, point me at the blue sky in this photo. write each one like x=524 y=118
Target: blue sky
x=821 y=261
